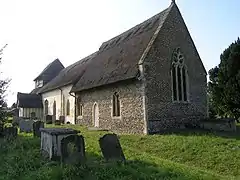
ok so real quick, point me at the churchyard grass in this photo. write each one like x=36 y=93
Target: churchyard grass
x=173 y=156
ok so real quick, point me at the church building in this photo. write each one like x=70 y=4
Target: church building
x=148 y=79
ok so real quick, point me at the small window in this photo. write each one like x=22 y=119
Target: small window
x=39 y=83
x=68 y=107
x=116 y=105
x=46 y=107
x=79 y=107
x=80 y=110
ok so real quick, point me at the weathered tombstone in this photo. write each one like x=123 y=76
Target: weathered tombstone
x=111 y=148
x=57 y=122
x=10 y=132
x=36 y=128
x=26 y=125
x=49 y=119
x=73 y=149
x=62 y=119
x=51 y=141
x=54 y=118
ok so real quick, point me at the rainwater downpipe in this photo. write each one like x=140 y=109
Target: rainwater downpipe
x=61 y=101
x=75 y=105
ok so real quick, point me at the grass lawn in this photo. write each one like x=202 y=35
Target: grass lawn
x=173 y=156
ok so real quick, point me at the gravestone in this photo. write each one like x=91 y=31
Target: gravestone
x=10 y=132
x=51 y=141
x=57 y=122
x=33 y=115
x=49 y=119
x=73 y=149
x=62 y=119
x=36 y=128
x=26 y=125
x=111 y=148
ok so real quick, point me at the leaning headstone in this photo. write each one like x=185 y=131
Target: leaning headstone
x=26 y=125
x=111 y=148
x=73 y=150
x=10 y=132
x=36 y=128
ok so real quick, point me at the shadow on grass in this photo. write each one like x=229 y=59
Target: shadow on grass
x=97 y=168
x=202 y=132
x=21 y=159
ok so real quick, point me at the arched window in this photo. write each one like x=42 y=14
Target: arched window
x=54 y=108
x=116 y=105
x=79 y=107
x=68 y=107
x=46 y=107
x=179 y=77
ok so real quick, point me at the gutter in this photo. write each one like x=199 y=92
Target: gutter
x=61 y=101
x=75 y=105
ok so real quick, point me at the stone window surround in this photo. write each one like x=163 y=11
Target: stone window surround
x=181 y=65
x=111 y=108
x=79 y=112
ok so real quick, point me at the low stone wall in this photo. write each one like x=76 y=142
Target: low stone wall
x=225 y=124
x=172 y=124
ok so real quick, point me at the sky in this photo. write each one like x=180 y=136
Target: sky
x=39 y=31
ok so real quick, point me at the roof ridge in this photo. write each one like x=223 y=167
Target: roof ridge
x=120 y=60
x=100 y=65
x=81 y=60
x=136 y=27
x=56 y=61
x=65 y=72
x=155 y=34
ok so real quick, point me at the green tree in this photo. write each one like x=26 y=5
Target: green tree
x=3 y=88
x=224 y=85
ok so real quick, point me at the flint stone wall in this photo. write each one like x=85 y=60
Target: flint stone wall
x=162 y=112
x=131 y=102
